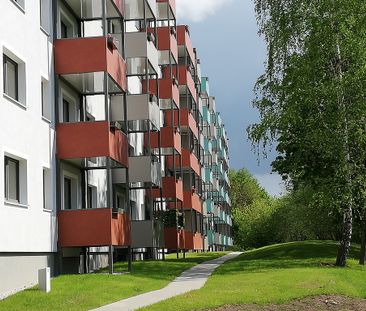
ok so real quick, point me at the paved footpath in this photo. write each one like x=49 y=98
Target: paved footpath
x=192 y=279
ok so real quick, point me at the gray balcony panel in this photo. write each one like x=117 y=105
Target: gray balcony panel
x=138 y=47
x=147 y=233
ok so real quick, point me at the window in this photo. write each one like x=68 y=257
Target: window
x=44 y=14
x=67 y=193
x=66 y=110
x=64 y=32
x=11 y=180
x=47 y=201
x=45 y=102
x=10 y=71
x=91 y=196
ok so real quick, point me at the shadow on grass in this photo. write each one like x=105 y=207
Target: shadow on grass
x=309 y=254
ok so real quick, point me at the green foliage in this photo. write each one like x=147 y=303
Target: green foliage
x=260 y=220
x=252 y=211
x=273 y=275
x=312 y=99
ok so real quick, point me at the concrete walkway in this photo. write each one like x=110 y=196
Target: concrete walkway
x=192 y=279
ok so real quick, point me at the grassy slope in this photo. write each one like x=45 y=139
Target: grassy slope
x=276 y=274
x=83 y=292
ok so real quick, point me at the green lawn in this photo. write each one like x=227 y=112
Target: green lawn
x=83 y=292
x=275 y=274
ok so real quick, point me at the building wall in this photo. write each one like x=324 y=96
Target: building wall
x=27 y=228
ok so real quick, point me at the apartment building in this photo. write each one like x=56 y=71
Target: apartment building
x=111 y=147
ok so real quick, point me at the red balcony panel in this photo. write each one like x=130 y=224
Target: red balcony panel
x=93 y=227
x=87 y=55
x=174 y=239
x=193 y=241
x=186 y=120
x=91 y=140
x=185 y=78
x=170 y=139
x=172 y=189
x=167 y=41
x=192 y=201
x=167 y=89
x=183 y=38
x=189 y=160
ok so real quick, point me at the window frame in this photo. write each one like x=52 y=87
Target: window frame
x=7 y=59
x=8 y=159
x=69 y=190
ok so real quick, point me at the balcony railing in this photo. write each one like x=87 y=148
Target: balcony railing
x=144 y=172
x=143 y=112
x=73 y=59
x=147 y=233
x=91 y=140
x=187 y=120
x=166 y=9
x=170 y=141
x=93 y=227
x=167 y=43
x=172 y=189
x=184 y=41
x=192 y=201
x=138 y=48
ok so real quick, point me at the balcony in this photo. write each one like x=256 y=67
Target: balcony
x=143 y=112
x=187 y=120
x=193 y=241
x=139 y=47
x=186 y=80
x=139 y=9
x=166 y=9
x=74 y=60
x=168 y=90
x=182 y=239
x=192 y=201
x=184 y=42
x=170 y=141
x=147 y=233
x=167 y=45
x=172 y=189
x=144 y=172
x=89 y=9
x=93 y=227
x=174 y=239
x=190 y=161
x=83 y=140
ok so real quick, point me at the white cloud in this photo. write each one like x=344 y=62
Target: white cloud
x=272 y=183
x=198 y=10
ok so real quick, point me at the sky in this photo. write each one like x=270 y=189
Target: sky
x=232 y=55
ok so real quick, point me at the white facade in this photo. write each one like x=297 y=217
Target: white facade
x=27 y=228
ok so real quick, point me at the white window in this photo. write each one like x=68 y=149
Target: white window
x=14 y=85
x=15 y=180
x=45 y=99
x=47 y=200
x=11 y=181
x=10 y=70
x=44 y=10
x=69 y=109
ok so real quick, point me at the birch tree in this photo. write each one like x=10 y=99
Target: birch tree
x=312 y=101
